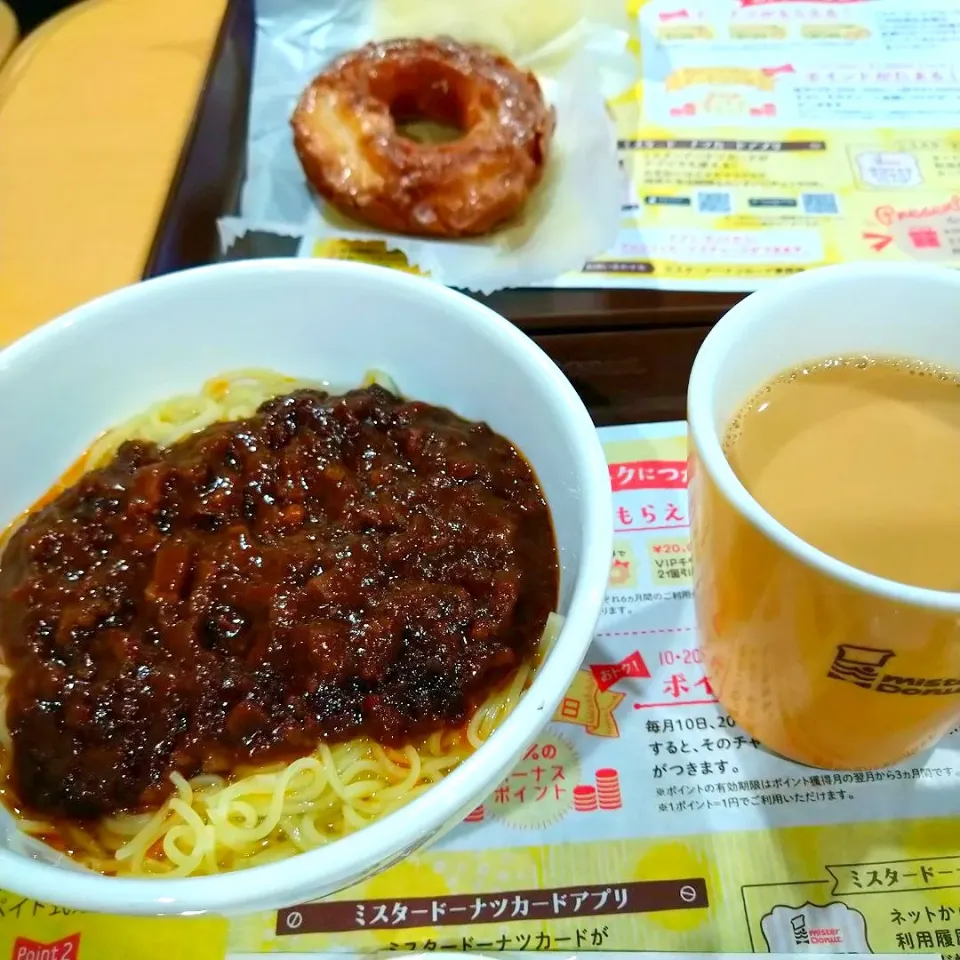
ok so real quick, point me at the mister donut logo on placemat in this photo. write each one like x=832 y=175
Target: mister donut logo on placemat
x=809 y=928
x=866 y=667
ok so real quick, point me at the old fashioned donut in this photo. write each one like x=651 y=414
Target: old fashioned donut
x=345 y=133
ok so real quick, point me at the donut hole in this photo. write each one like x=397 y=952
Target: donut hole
x=428 y=105
x=422 y=130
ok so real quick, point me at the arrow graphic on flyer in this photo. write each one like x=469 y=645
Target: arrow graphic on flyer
x=878 y=240
x=775 y=71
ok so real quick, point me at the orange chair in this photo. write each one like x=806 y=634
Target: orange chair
x=9 y=33
x=95 y=106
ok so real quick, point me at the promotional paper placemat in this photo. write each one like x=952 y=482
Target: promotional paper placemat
x=642 y=817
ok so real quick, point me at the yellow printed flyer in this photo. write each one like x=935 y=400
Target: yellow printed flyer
x=756 y=138
x=644 y=818
x=762 y=137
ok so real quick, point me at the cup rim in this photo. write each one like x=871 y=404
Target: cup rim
x=707 y=367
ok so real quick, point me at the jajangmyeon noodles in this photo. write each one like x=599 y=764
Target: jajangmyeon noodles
x=247 y=813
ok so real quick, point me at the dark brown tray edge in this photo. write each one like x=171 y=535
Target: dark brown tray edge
x=208 y=177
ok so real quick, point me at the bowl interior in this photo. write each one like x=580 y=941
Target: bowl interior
x=69 y=381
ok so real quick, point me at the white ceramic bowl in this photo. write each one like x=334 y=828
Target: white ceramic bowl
x=66 y=382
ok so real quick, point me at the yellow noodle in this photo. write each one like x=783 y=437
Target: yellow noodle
x=210 y=824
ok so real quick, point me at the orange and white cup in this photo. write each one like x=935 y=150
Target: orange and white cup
x=821 y=662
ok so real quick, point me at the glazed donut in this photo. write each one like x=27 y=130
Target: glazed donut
x=345 y=133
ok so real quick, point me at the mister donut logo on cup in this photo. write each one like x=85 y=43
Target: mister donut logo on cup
x=822 y=662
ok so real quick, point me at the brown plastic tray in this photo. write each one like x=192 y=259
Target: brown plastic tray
x=628 y=352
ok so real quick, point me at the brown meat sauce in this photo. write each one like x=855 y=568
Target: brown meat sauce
x=330 y=567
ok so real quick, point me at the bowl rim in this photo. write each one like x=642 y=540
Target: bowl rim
x=396 y=835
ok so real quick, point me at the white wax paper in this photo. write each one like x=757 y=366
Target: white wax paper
x=573 y=215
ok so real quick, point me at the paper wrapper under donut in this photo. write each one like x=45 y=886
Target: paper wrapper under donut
x=572 y=216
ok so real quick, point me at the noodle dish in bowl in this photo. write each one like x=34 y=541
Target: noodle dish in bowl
x=298 y=558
